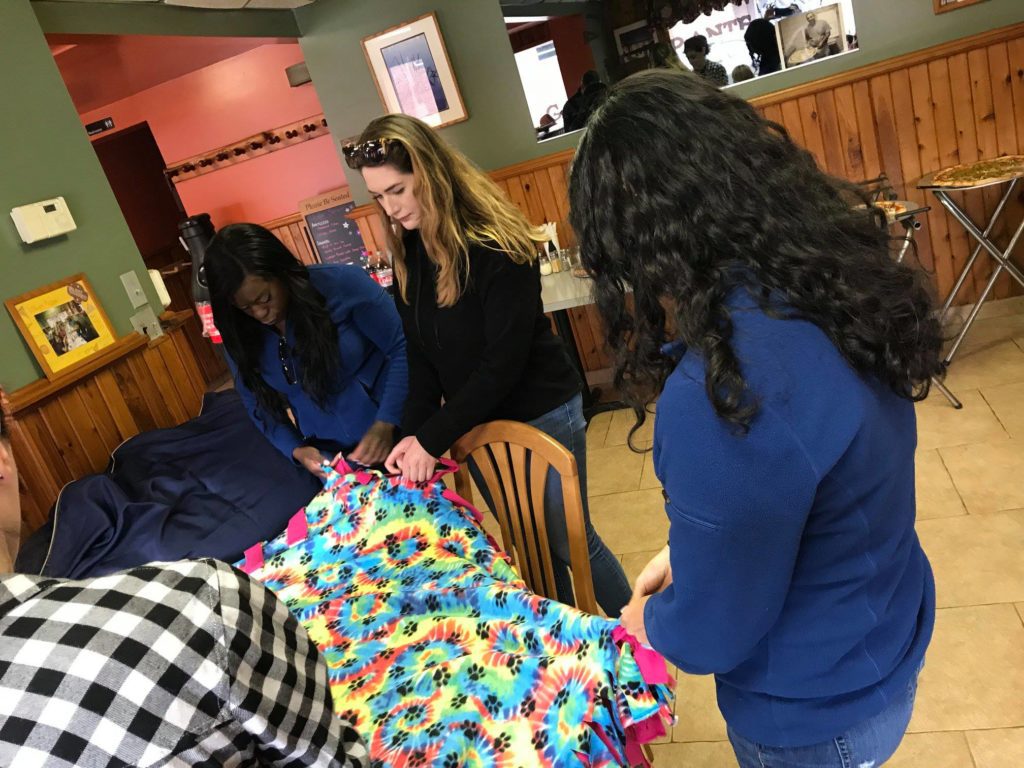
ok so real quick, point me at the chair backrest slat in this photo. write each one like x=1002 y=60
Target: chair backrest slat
x=537 y=483
x=487 y=464
x=514 y=459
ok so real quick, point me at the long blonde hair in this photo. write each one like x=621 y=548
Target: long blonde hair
x=461 y=206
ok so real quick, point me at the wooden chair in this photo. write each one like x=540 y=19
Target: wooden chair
x=514 y=459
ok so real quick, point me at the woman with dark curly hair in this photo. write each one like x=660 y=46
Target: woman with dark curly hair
x=787 y=348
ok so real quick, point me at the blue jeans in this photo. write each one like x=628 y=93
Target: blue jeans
x=866 y=745
x=567 y=425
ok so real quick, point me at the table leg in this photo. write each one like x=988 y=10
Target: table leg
x=907 y=238
x=950 y=206
x=591 y=406
x=1002 y=259
x=949 y=395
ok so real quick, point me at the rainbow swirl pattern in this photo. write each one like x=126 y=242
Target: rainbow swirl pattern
x=437 y=651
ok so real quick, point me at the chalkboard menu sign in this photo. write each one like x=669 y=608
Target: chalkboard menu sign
x=336 y=237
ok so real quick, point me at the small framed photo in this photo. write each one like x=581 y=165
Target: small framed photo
x=62 y=323
x=410 y=66
x=941 y=6
x=812 y=35
x=634 y=40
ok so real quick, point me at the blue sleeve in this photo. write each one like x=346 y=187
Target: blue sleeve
x=374 y=314
x=284 y=437
x=737 y=505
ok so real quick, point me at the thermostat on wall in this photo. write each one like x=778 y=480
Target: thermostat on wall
x=39 y=221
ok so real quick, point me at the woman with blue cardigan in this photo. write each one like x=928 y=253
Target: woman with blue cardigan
x=317 y=353
x=785 y=347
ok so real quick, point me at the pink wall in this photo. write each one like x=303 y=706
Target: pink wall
x=223 y=103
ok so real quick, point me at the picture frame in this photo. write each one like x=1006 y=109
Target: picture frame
x=63 y=324
x=412 y=72
x=633 y=41
x=942 y=6
x=794 y=44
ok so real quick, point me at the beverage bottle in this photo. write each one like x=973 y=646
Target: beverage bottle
x=385 y=274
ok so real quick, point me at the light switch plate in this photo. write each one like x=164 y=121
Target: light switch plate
x=133 y=288
x=146 y=322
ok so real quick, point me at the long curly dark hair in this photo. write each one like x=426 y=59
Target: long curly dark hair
x=685 y=194
x=239 y=250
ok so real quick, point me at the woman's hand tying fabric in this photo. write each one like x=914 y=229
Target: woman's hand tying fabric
x=655 y=576
x=633 y=617
x=409 y=458
x=375 y=445
x=311 y=459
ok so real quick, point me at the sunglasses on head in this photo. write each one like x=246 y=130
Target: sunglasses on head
x=372 y=152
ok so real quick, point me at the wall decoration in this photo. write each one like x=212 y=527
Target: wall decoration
x=804 y=40
x=62 y=323
x=941 y=6
x=412 y=72
x=246 y=149
x=634 y=40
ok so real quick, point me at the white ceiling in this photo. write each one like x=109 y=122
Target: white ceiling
x=221 y=5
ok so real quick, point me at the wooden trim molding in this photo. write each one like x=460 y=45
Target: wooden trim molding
x=537 y=164
x=284 y=221
x=369 y=209
x=42 y=389
x=923 y=56
x=263 y=143
x=63 y=430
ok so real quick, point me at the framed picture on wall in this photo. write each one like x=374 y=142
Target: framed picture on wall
x=941 y=6
x=410 y=67
x=812 y=35
x=634 y=40
x=62 y=323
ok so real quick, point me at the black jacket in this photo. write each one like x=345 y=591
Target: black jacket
x=490 y=356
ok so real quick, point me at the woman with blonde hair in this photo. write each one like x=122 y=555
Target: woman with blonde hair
x=470 y=300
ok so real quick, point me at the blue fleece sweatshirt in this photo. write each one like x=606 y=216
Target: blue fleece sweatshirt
x=374 y=377
x=798 y=578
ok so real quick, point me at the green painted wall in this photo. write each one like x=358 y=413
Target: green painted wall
x=146 y=19
x=888 y=28
x=46 y=154
x=499 y=131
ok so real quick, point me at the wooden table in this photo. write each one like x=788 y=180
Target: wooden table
x=561 y=292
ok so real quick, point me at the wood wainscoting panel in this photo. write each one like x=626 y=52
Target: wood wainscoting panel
x=908 y=116
x=293 y=232
x=65 y=429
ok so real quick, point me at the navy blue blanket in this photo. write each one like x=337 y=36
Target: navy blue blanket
x=210 y=487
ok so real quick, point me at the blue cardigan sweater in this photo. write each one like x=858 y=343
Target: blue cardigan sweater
x=373 y=380
x=798 y=578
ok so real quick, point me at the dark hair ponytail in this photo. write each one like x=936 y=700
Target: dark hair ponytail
x=239 y=250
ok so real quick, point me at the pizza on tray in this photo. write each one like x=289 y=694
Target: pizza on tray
x=892 y=208
x=981 y=172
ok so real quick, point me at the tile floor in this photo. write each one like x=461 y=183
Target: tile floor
x=970 y=706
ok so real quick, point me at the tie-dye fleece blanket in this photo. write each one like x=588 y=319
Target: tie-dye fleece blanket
x=438 y=652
